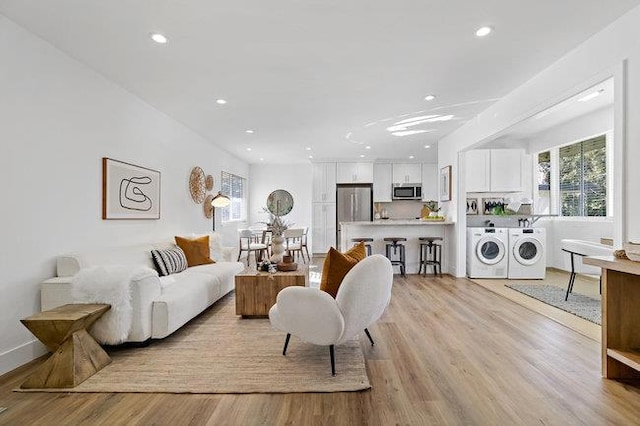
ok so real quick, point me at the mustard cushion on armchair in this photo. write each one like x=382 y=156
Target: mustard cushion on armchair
x=336 y=265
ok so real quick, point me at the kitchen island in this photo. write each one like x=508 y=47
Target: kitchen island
x=411 y=229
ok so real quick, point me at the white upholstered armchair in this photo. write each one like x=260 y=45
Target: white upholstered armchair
x=315 y=317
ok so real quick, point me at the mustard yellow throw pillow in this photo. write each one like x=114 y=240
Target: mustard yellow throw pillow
x=196 y=250
x=336 y=265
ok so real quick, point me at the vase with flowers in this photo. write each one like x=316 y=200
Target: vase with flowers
x=277 y=225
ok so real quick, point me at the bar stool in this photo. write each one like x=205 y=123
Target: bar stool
x=430 y=254
x=367 y=243
x=396 y=244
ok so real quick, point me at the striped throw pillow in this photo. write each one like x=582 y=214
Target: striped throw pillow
x=169 y=261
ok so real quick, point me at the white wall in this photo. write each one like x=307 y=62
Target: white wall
x=295 y=178
x=58 y=118
x=581 y=128
x=614 y=51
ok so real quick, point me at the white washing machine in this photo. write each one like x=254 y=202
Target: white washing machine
x=527 y=257
x=487 y=252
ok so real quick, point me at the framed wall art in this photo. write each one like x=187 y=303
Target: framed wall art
x=129 y=191
x=445 y=183
x=472 y=206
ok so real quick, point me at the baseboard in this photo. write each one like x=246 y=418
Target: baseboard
x=21 y=355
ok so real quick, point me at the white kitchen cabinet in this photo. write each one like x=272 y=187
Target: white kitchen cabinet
x=506 y=170
x=324 y=182
x=324 y=227
x=382 y=181
x=429 y=182
x=478 y=170
x=407 y=173
x=355 y=173
x=494 y=170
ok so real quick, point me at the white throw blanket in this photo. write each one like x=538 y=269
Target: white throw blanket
x=109 y=284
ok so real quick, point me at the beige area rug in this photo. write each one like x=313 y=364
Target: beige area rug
x=218 y=352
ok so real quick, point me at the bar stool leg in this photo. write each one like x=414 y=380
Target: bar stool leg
x=403 y=264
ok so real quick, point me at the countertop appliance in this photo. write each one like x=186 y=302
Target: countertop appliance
x=354 y=203
x=527 y=258
x=406 y=191
x=487 y=252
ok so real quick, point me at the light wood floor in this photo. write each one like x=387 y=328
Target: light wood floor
x=447 y=351
x=585 y=285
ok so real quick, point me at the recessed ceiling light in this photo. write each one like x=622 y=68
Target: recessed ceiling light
x=261 y=159
x=427 y=146
x=249 y=131
x=411 y=157
x=429 y=97
x=308 y=148
x=408 y=132
x=367 y=147
x=484 y=31
x=311 y=156
x=248 y=149
x=361 y=155
x=221 y=101
x=591 y=96
x=158 y=38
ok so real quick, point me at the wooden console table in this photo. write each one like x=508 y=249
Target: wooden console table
x=76 y=355
x=620 y=316
x=256 y=292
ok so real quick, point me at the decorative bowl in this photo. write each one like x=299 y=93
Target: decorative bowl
x=633 y=251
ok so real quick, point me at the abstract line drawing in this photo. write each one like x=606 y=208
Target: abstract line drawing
x=129 y=191
x=132 y=195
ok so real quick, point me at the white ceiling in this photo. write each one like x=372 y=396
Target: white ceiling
x=569 y=109
x=310 y=73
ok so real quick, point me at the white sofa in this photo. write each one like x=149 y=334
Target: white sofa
x=161 y=305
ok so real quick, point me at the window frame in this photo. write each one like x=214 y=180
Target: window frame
x=228 y=191
x=554 y=192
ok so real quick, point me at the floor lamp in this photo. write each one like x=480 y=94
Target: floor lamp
x=219 y=200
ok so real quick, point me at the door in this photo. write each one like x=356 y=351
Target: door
x=527 y=251
x=490 y=250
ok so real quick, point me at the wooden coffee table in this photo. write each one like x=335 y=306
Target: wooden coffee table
x=76 y=355
x=256 y=292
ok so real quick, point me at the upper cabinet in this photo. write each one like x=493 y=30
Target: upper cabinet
x=324 y=182
x=355 y=172
x=407 y=173
x=382 y=183
x=494 y=170
x=429 y=182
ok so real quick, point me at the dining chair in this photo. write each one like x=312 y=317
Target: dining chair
x=248 y=244
x=303 y=243
x=293 y=242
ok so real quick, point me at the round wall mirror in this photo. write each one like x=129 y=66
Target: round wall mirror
x=280 y=202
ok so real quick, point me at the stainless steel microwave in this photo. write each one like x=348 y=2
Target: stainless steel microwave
x=406 y=191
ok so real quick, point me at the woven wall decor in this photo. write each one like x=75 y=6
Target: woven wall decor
x=208 y=208
x=208 y=183
x=197 y=185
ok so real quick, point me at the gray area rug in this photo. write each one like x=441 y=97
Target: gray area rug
x=578 y=305
x=218 y=352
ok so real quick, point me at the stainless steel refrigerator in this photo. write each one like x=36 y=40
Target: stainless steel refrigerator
x=354 y=203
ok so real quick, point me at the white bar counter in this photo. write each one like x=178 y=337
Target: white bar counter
x=411 y=229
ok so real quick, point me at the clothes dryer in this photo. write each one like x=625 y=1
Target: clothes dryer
x=487 y=252
x=527 y=256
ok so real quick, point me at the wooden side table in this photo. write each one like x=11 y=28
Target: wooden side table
x=256 y=292
x=76 y=355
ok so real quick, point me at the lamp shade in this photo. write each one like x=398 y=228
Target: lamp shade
x=220 y=200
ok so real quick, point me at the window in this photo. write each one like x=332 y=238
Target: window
x=234 y=187
x=583 y=178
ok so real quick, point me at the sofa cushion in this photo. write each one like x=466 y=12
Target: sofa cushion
x=196 y=250
x=336 y=265
x=69 y=265
x=169 y=261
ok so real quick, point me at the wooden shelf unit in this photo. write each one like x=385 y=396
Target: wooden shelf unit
x=620 y=316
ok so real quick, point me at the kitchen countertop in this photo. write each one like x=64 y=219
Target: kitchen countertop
x=395 y=222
